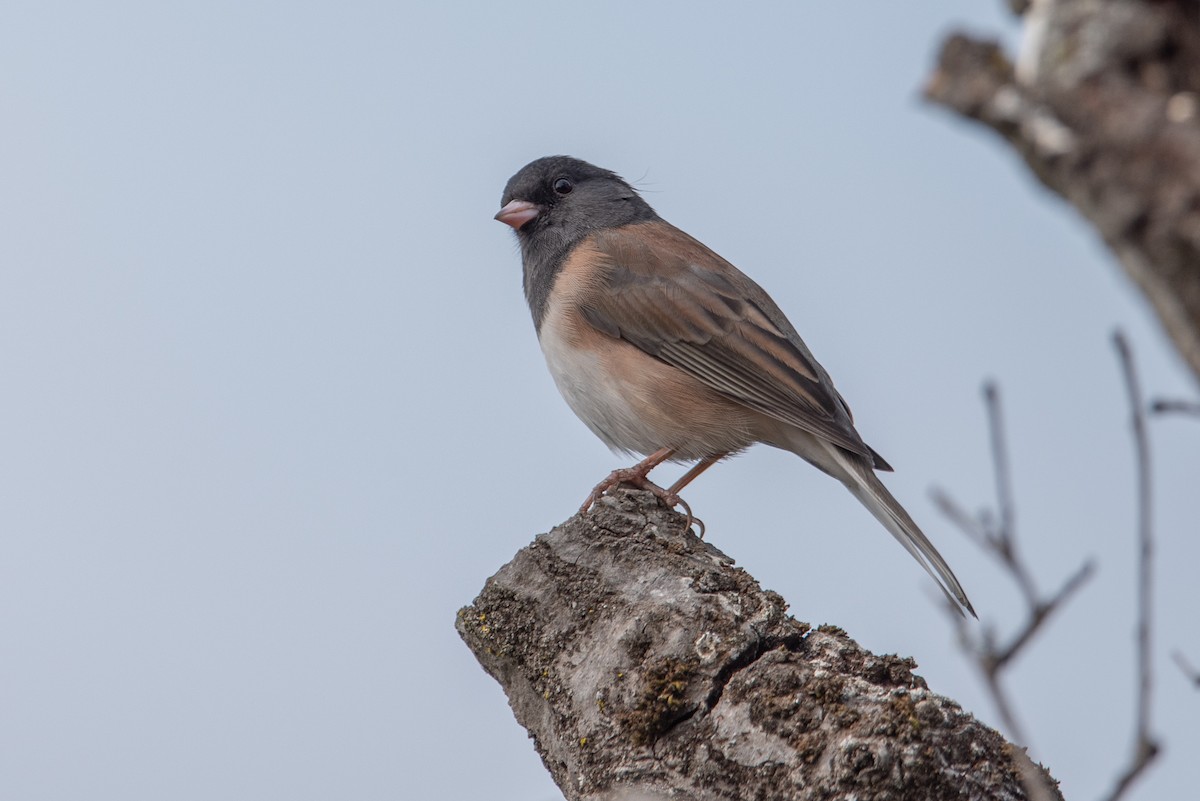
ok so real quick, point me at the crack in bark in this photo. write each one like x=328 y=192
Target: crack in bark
x=762 y=645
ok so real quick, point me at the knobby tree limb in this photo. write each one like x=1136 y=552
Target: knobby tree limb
x=1103 y=105
x=646 y=666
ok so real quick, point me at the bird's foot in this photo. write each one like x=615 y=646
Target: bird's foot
x=636 y=477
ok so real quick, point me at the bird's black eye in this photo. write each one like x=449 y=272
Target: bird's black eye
x=563 y=186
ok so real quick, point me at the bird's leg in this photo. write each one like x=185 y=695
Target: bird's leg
x=687 y=478
x=636 y=476
x=698 y=468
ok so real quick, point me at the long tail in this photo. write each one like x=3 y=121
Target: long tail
x=861 y=481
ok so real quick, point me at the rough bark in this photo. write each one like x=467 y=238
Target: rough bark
x=1102 y=105
x=646 y=666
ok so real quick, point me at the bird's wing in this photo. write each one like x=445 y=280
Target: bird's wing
x=672 y=297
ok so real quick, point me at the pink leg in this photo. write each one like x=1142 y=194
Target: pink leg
x=636 y=476
x=698 y=468
x=687 y=478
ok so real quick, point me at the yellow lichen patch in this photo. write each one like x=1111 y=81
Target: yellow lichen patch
x=906 y=724
x=663 y=696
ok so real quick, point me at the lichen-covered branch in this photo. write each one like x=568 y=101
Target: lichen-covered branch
x=646 y=666
x=1104 y=107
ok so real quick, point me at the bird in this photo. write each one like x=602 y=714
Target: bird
x=665 y=349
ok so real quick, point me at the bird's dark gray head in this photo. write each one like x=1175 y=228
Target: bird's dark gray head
x=572 y=196
x=553 y=203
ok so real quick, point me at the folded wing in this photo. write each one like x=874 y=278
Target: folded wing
x=675 y=299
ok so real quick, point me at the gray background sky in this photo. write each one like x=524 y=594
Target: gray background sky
x=273 y=408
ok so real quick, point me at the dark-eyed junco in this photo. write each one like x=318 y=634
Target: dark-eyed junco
x=664 y=348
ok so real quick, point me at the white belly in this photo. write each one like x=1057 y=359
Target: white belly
x=600 y=402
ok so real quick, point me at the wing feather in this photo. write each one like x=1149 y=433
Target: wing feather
x=671 y=296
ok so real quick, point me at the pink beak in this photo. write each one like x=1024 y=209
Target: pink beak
x=517 y=213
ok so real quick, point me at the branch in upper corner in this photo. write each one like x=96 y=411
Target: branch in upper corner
x=1102 y=107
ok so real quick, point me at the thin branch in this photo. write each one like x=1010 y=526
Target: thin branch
x=1034 y=779
x=1145 y=747
x=1042 y=611
x=960 y=518
x=1003 y=473
x=1190 y=672
x=1145 y=532
x=996 y=534
x=1171 y=406
x=1005 y=533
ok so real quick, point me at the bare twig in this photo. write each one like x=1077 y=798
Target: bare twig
x=997 y=657
x=1004 y=535
x=1192 y=674
x=972 y=527
x=1172 y=406
x=996 y=534
x=1145 y=746
x=1041 y=611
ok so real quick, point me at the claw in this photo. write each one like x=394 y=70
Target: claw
x=636 y=476
x=630 y=475
x=691 y=518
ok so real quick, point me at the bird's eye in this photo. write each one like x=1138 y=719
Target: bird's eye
x=563 y=186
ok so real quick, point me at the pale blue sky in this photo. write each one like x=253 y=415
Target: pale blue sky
x=273 y=408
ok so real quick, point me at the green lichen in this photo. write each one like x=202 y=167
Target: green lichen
x=902 y=720
x=662 y=701
x=826 y=690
